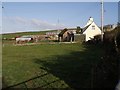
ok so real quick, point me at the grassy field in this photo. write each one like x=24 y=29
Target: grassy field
x=68 y=65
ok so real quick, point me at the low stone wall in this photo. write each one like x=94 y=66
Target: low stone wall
x=79 y=38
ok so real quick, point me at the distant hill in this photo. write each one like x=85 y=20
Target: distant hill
x=12 y=35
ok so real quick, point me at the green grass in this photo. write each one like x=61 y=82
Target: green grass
x=68 y=65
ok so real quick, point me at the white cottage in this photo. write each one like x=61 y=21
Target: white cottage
x=91 y=29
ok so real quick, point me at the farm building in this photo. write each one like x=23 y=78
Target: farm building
x=66 y=35
x=88 y=32
x=29 y=38
x=109 y=27
x=52 y=35
x=91 y=29
x=69 y=35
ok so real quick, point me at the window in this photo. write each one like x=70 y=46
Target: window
x=93 y=27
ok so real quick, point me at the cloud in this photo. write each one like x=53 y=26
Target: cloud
x=46 y=25
x=21 y=20
x=16 y=24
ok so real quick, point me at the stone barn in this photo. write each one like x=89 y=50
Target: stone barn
x=66 y=35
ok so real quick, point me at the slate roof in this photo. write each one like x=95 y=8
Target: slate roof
x=84 y=29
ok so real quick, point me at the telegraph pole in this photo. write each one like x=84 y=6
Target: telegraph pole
x=102 y=17
x=58 y=24
x=59 y=38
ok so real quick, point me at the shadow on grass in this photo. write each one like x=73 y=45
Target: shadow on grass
x=75 y=68
x=87 y=68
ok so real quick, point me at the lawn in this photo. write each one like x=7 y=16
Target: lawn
x=66 y=65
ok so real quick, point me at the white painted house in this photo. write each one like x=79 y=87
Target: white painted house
x=91 y=29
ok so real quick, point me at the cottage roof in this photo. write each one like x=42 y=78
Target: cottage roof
x=84 y=29
x=90 y=21
x=66 y=29
x=62 y=32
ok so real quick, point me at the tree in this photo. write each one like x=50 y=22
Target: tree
x=78 y=30
x=118 y=24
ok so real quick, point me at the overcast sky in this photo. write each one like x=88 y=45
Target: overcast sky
x=32 y=16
